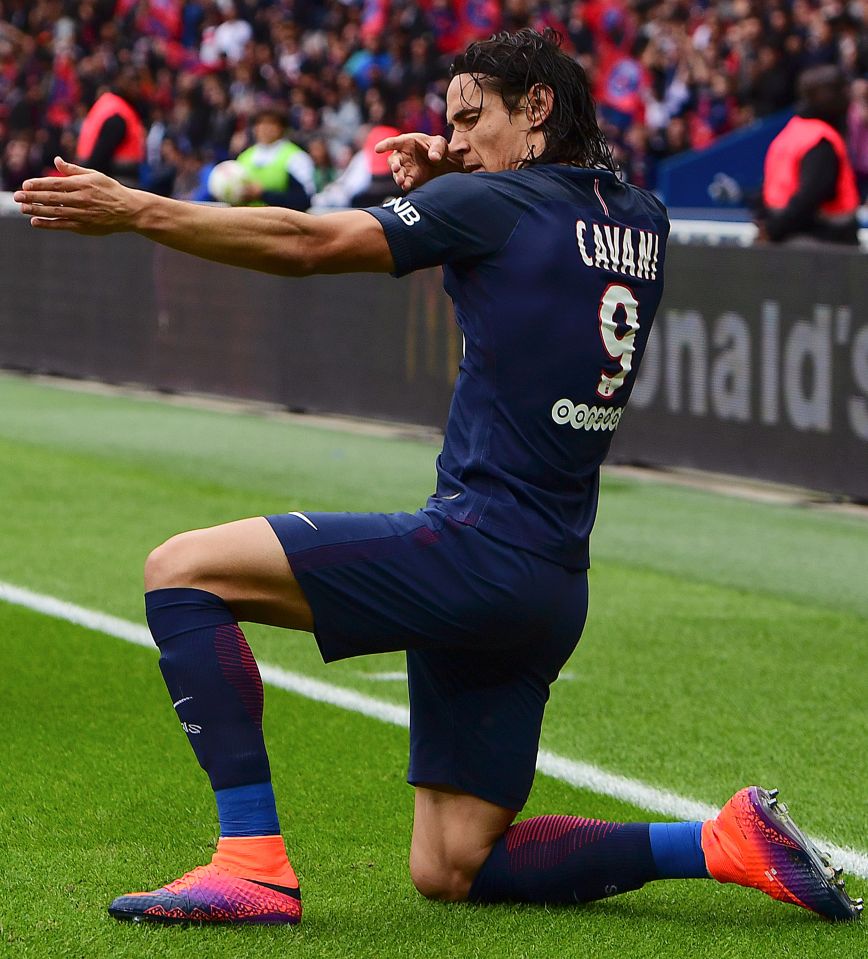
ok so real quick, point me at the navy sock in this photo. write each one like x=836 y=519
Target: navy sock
x=216 y=690
x=562 y=859
x=677 y=850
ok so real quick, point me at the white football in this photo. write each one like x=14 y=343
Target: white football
x=228 y=182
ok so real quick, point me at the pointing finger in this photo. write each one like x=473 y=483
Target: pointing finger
x=437 y=149
x=384 y=146
x=402 y=142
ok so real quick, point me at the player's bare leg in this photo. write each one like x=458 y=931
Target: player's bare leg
x=465 y=848
x=199 y=584
x=243 y=563
x=453 y=835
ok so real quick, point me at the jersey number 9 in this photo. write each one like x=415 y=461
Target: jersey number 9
x=620 y=348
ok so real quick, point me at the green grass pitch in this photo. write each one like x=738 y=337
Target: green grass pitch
x=723 y=646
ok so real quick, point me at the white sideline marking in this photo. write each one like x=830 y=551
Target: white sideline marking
x=578 y=774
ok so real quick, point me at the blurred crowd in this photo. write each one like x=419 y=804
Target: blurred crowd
x=668 y=75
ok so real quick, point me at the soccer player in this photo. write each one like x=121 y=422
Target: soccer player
x=555 y=268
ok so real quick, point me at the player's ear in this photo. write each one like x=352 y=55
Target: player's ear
x=540 y=100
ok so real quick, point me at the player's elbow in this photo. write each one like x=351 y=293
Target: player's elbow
x=299 y=264
x=308 y=258
x=290 y=245
x=352 y=241
x=316 y=251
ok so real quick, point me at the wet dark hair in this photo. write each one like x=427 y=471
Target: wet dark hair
x=512 y=64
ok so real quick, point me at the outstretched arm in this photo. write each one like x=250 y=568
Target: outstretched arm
x=268 y=239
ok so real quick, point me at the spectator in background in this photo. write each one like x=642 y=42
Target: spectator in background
x=218 y=122
x=112 y=136
x=672 y=140
x=370 y=64
x=324 y=172
x=164 y=173
x=191 y=181
x=635 y=157
x=18 y=164
x=773 y=84
x=226 y=40
x=281 y=173
x=341 y=115
x=205 y=65
x=809 y=190
x=857 y=135
x=367 y=180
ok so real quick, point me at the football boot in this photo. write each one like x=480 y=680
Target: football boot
x=754 y=842
x=227 y=890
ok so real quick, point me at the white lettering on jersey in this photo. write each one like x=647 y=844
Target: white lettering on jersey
x=628 y=259
x=613 y=242
x=405 y=210
x=617 y=250
x=601 y=257
x=581 y=226
x=646 y=247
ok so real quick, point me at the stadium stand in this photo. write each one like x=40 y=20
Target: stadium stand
x=670 y=76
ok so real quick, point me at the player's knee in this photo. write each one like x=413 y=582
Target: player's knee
x=439 y=878
x=176 y=563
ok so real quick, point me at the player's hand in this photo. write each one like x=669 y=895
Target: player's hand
x=417 y=158
x=81 y=200
x=252 y=192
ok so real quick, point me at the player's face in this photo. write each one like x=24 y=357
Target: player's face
x=486 y=135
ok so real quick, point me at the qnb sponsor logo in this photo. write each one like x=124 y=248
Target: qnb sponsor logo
x=405 y=210
x=583 y=417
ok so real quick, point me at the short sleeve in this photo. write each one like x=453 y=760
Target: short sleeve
x=458 y=216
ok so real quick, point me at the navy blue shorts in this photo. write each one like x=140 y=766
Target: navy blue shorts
x=487 y=628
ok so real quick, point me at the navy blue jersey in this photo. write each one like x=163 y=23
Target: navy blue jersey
x=555 y=273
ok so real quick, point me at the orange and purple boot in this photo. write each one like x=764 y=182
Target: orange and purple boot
x=249 y=880
x=753 y=842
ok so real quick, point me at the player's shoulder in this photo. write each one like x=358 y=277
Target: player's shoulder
x=578 y=185
x=467 y=195
x=450 y=184
x=509 y=189
x=644 y=201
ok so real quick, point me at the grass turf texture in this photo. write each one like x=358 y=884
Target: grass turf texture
x=722 y=647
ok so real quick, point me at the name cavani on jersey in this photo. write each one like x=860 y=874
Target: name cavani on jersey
x=619 y=249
